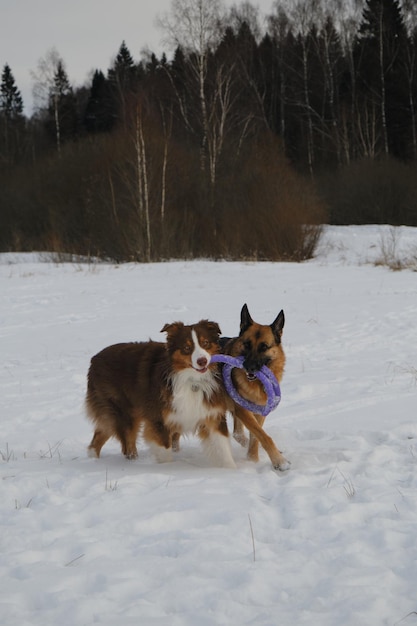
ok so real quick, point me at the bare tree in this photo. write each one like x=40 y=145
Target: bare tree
x=410 y=18
x=348 y=27
x=246 y=12
x=304 y=17
x=194 y=26
x=142 y=181
x=43 y=77
x=167 y=122
x=50 y=85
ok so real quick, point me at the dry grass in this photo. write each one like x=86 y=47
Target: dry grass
x=390 y=255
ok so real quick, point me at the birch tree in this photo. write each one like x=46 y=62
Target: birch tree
x=194 y=27
x=143 y=182
x=52 y=91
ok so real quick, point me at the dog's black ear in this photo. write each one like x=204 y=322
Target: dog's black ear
x=278 y=324
x=245 y=319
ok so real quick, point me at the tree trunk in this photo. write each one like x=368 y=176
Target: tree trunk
x=57 y=123
x=143 y=187
x=307 y=106
x=382 y=79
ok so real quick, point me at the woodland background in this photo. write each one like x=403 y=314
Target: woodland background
x=239 y=146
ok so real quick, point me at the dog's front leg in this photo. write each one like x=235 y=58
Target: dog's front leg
x=250 y=421
x=253 y=449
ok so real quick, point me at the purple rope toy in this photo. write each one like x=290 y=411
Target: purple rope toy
x=267 y=378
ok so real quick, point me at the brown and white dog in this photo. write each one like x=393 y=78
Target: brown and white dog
x=260 y=345
x=165 y=389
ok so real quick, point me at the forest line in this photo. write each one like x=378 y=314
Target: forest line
x=240 y=146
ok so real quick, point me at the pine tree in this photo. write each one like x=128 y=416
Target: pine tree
x=122 y=77
x=385 y=16
x=123 y=70
x=11 y=103
x=380 y=58
x=99 y=113
x=11 y=116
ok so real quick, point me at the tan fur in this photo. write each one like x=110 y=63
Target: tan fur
x=260 y=345
x=133 y=386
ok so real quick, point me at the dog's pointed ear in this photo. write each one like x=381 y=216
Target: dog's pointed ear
x=170 y=328
x=245 y=319
x=278 y=324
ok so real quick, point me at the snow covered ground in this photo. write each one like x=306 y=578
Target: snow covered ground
x=331 y=542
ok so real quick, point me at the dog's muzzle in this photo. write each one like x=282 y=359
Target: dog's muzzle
x=251 y=366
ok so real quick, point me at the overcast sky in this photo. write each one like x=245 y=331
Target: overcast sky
x=86 y=33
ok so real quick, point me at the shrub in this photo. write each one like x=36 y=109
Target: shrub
x=90 y=202
x=269 y=211
x=372 y=192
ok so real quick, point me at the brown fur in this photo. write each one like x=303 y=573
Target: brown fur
x=260 y=345
x=141 y=385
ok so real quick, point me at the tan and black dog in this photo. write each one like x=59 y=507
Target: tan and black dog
x=260 y=345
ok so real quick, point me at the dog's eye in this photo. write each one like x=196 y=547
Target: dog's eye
x=263 y=347
x=247 y=345
x=205 y=343
x=186 y=349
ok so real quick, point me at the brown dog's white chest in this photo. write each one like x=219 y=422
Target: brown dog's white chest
x=191 y=400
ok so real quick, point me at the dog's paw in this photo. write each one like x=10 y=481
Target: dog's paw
x=161 y=454
x=241 y=438
x=283 y=465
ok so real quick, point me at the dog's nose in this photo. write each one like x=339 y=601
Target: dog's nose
x=202 y=361
x=249 y=366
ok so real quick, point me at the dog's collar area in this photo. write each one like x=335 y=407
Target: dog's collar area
x=264 y=375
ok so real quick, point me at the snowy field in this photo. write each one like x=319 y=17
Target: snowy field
x=331 y=542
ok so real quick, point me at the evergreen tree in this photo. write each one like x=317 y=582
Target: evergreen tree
x=122 y=77
x=275 y=50
x=11 y=116
x=385 y=15
x=11 y=103
x=380 y=60
x=99 y=113
x=122 y=73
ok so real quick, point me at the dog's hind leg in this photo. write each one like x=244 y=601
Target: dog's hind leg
x=239 y=432
x=99 y=439
x=127 y=437
x=126 y=426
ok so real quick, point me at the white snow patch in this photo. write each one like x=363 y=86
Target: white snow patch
x=109 y=541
